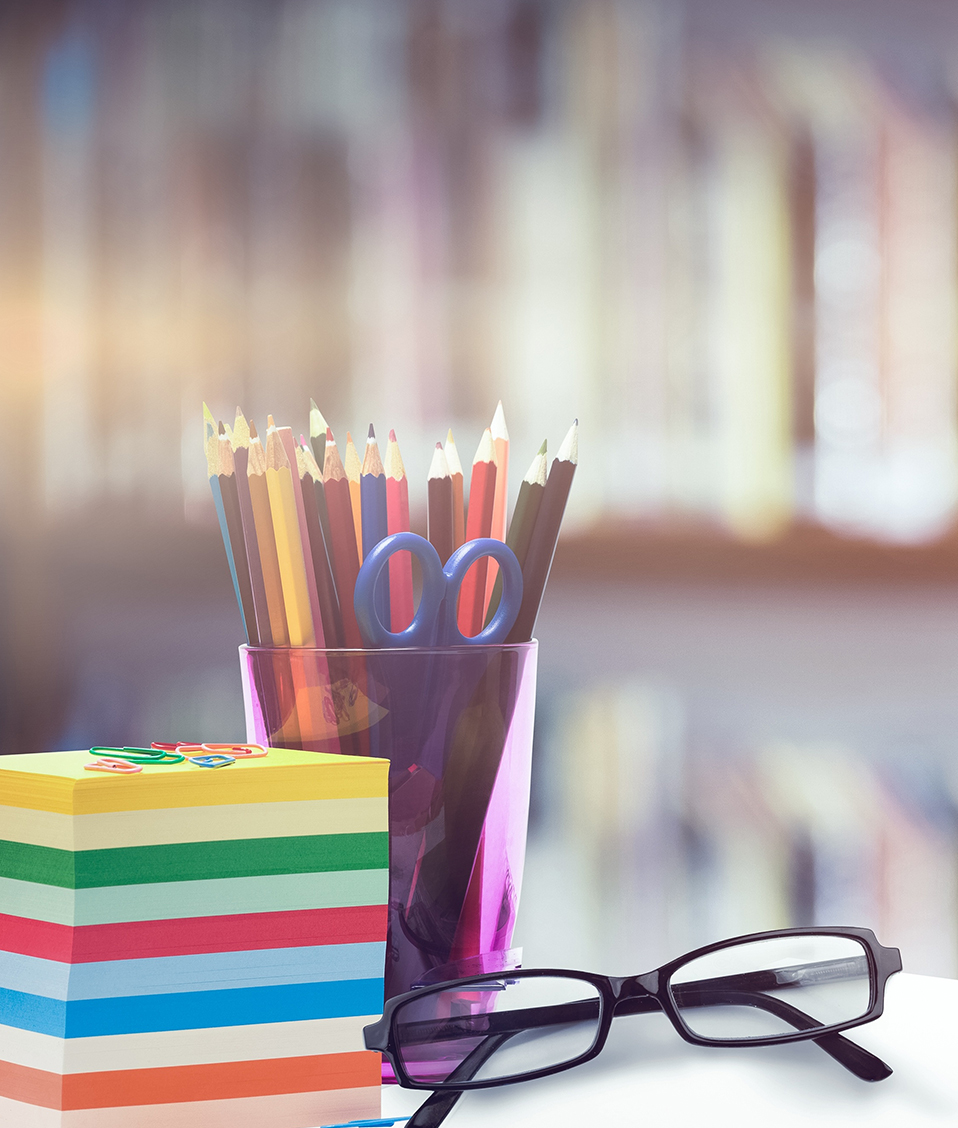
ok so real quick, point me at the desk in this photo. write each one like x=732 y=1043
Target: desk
x=647 y=1075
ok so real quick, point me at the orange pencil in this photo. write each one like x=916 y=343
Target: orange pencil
x=397 y=521
x=482 y=496
x=304 y=630
x=289 y=446
x=458 y=502
x=354 y=475
x=500 y=436
x=344 y=558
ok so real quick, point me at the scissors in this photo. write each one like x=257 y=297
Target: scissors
x=434 y=623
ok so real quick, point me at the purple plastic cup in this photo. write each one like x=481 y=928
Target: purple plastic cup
x=456 y=725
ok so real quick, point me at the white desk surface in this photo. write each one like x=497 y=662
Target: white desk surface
x=647 y=1075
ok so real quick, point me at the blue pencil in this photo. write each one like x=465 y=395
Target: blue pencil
x=212 y=459
x=372 y=485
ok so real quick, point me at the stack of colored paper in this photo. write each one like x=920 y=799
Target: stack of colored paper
x=191 y=946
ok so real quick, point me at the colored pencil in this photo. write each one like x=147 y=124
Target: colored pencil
x=397 y=520
x=500 y=436
x=212 y=467
x=344 y=557
x=375 y=523
x=289 y=546
x=289 y=445
x=226 y=471
x=482 y=496
x=523 y=519
x=317 y=433
x=317 y=475
x=440 y=512
x=311 y=481
x=538 y=562
x=266 y=541
x=209 y=423
x=240 y=444
x=458 y=498
x=354 y=474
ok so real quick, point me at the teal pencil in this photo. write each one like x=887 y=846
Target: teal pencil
x=212 y=462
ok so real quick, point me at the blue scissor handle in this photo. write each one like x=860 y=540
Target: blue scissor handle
x=435 y=620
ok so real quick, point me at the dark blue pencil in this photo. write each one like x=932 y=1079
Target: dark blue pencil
x=372 y=485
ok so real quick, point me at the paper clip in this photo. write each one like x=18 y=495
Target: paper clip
x=109 y=764
x=385 y=1122
x=215 y=761
x=239 y=751
x=161 y=756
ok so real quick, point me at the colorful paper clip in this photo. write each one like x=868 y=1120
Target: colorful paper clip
x=385 y=1122
x=239 y=751
x=163 y=756
x=215 y=761
x=110 y=764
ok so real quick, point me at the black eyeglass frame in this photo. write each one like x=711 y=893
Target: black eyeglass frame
x=654 y=987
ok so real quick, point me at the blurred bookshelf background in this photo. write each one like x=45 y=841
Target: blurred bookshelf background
x=724 y=233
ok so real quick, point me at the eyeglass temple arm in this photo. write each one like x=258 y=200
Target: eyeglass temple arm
x=853 y=1057
x=433 y=1111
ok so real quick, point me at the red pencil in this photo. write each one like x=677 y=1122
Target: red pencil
x=397 y=521
x=482 y=497
x=455 y=474
x=440 y=512
x=345 y=558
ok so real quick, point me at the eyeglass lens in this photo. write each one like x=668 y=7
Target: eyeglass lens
x=505 y=1029
x=766 y=988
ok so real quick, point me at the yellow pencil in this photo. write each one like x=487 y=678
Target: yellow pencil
x=289 y=545
x=265 y=540
x=354 y=468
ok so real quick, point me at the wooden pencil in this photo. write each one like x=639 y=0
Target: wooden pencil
x=458 y=495
x=523 y=520
x=289 y=546
x=375 y=524
x=317 y=433
x=266 y=541
x=211 y=447
x=226 y=470
x=289 y=445
x=439 y=515
x=482 y=496
x=354 y=474
x=545 y=534
x=317 y=475
x=401 y=607
x=311 y=481
x=240 y=444
x=344 y=557
x=500 y=436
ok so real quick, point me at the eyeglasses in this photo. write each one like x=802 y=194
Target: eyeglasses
x=791 y=985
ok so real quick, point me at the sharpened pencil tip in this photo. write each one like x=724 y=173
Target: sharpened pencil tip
x=221 y=428
x=392 y=436
x=269 y=422
x=545 y=446
x=371 y=434
x=313 y=405
x=329 y=435
x=253 y=433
